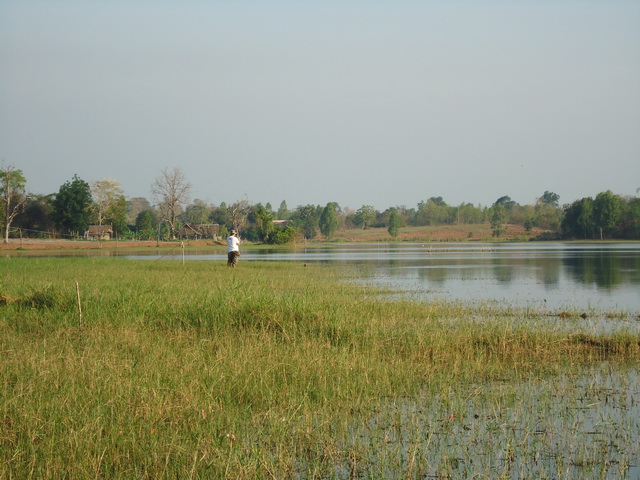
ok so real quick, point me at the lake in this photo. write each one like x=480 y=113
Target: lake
x=602 y=277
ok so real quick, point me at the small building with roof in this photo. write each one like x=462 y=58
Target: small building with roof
x=99 y=232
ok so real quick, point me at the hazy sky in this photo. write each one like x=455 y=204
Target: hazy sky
x=359 y=102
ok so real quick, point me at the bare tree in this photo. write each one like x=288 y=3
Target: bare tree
x=239 y=211
x=170 y=192
x=12 y=195
x=104 y=192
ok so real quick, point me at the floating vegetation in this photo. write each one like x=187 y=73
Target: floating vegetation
x=578 y=424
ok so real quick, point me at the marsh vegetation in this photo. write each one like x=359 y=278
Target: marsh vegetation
x=280 y=370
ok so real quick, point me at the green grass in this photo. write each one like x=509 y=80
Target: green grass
x=265 y=371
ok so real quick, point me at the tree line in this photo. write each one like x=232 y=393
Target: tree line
x=79 y=204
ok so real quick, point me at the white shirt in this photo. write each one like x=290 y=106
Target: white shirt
x=232 y=244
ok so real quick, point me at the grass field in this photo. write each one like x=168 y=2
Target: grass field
x=115 y=368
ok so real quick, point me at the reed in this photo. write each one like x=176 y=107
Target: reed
x=272 y=370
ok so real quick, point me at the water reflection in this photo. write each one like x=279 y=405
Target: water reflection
x=557 y=276
x=604 y=269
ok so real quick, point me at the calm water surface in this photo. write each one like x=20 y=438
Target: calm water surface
x=600 y=277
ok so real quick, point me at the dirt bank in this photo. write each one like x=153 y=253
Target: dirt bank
x=38 y=244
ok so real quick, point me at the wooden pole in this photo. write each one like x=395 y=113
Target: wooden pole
x=79 y=303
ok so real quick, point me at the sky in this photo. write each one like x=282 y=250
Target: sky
x=376 y=102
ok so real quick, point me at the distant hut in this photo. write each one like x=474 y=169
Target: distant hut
x=99 y=232
x=198 y=231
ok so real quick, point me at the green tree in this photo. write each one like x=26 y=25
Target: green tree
x=630 y=221
x=607 y=209
x=136 y=205
x=578 y=221
x=196 y=213
x=71 y=207
x=284 y=235
x=394 y=223
x=435 y=211
x=116 y=215
x=264 y=222
x=306 y=219
x=406 y=215
x=468 y=213
x=12 y=195
x=498 y=217
x=506 y=202
x=220 y=215
x=146 y=224
x=528 y=225
x=550 y=198
x=329 y=220
x=283 y=211
x=585 y=220
x=547 y=216
x=512 y=211
x=38 y=215
x=104 y=192
x=365 y=215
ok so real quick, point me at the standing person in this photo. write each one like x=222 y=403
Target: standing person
x=233 y=250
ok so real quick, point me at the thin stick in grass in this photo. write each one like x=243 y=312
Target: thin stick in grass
x=79 y=302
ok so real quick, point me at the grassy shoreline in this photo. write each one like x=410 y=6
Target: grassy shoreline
x=261 y=372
